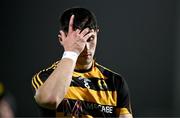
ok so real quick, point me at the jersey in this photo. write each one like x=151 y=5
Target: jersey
x=97 y=92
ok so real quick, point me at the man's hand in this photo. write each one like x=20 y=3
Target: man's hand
x=74 y=40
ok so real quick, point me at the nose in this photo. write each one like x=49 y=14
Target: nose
x=87 y=46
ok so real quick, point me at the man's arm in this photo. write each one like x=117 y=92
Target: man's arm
x=51 y=93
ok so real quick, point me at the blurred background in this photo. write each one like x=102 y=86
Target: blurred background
x=139 y=39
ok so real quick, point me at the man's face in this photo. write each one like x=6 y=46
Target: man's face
x=86 y=56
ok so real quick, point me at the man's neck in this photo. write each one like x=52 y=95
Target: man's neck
x=83 y=67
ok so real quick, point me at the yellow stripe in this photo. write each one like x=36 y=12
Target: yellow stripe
x=34 y=85
x=95 y=72
x=60 y=114
x=36 y=82
x=39 y=79
x=122 y=111
x=87 y=116
x=89 y=95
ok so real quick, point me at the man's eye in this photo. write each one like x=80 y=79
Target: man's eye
x=91 y=38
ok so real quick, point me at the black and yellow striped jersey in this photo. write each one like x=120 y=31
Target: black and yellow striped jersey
x=97 y=92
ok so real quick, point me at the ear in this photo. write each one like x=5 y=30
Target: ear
x=60 y=38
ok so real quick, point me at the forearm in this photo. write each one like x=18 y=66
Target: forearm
x=52 y=92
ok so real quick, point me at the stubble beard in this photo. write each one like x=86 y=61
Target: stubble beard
x=84 y=61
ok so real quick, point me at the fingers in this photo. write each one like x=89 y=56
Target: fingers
x=78 y=31
x=71 y=22
x=84 y=32
x=87 y=36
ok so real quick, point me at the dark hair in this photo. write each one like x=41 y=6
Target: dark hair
x=83 y=19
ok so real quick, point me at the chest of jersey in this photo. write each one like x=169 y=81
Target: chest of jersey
x=92 y=90
x=86 y=95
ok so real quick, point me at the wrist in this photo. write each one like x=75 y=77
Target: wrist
x=70 y=55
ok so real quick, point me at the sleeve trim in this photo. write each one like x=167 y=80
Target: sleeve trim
x=33 y=84
x=41 y=83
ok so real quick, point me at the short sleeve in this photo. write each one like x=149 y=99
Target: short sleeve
x=40 y=77
x=123 y=98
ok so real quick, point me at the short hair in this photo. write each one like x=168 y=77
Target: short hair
x=83 y=19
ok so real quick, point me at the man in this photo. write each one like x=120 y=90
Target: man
x=76 y=85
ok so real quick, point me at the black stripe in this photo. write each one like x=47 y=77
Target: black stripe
x=95 y=83
x=43 y=75
x=36 y=77
x=69 y=106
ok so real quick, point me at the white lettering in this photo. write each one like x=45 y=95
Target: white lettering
x=103 y=109
x=108 y=109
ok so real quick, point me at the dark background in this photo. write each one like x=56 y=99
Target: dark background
x=138 y=38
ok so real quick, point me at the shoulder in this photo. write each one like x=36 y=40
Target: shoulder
x=40 y=77
x=49 y=69
x=118 y=80
x=107 y=71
